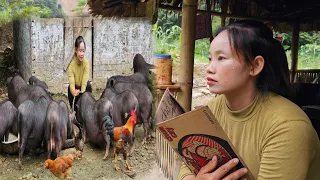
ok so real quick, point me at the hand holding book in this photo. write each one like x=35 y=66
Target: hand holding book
x=198 y=137
x=206 y=172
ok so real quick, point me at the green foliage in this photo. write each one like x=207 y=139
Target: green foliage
x=167 y=42
x=79 y=9
x=168 y=36
x=308 y=56
x=14 y=9
x=56 y=10
x=167 y=19
x=10 y=10
x=202 y=50
x=309 y=49
x=168 y=39
x=304 y=38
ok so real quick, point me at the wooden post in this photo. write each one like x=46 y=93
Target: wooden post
x=189 y=9
x=224 y=8
x=294 y=50
x=133 y=9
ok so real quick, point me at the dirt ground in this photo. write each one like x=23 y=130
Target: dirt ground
x=92 y=166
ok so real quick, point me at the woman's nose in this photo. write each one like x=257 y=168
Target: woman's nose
x=211 y=67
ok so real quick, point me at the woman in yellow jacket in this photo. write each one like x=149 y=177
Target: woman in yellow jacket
x=78 y=72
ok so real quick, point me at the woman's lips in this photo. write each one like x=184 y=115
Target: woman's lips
x=211 y=81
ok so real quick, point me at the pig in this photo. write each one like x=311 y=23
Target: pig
x=137 y=84
x=58 y=119
x=33 y=80
x=141 y=71
x=122 y=103
x=71 y=117
x=19 y=91
x=141 y=67
x=90 y=114
x=144 y=97
x=8 y=120
x=31 y=121
x=14 y=85
x=31 y=93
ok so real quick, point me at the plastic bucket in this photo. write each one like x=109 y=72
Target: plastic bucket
x=163 y=72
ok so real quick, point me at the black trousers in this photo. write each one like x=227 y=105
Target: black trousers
x=70 y=96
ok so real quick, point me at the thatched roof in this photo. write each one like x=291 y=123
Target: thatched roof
x=117 y=8
x=281 y=14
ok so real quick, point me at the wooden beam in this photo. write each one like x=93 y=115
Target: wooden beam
x=178 y=9
x=189 y=12
x=294 y=50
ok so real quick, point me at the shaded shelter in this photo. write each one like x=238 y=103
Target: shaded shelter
x=281 y=16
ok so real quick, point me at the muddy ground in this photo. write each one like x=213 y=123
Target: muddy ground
x=92 y=166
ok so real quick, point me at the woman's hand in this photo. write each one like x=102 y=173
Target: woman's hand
x=76 y=92
x=206 y=171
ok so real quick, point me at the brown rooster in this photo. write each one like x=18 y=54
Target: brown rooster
x=123 y=136
x=61 y=166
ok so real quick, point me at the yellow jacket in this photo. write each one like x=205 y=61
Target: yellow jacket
x=78 y=74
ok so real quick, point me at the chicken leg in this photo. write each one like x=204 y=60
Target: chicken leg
x=125 y=161
x=129 y=169
x=115 y=162
x=117 y=150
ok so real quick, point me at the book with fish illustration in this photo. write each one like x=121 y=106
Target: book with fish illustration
x=195 y=135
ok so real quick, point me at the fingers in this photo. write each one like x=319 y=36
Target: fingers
x=205 y=171
x=76 y=92
x=210 y=166
x=224 y=169
x=237 y=174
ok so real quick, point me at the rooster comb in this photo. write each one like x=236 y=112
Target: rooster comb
x=133 y=115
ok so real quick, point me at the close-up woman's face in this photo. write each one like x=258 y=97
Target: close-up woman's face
x=80 y=51
x=226 y=72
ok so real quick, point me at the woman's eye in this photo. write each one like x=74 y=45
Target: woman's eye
x=221 y=58
x=209 y=58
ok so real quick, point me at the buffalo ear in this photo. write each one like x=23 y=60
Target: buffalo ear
x=112 y=83
x=150 y=66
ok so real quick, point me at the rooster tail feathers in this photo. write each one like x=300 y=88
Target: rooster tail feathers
x=109 y=123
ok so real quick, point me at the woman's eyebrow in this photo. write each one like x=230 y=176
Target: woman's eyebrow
x=218 y=51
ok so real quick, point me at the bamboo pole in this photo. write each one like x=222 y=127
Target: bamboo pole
x=189 y=11
x=294 y=50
